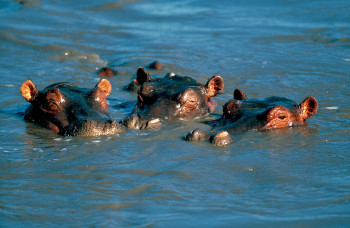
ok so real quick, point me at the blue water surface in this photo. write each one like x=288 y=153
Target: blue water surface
x=295 y=177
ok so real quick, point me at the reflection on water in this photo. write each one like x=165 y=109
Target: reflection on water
x=294 y=176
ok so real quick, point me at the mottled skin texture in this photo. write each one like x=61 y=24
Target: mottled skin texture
x=242 y=114
x=172 y=97
x=69 y=110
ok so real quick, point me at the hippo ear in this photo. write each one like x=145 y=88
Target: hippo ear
x=105 y=86
x=28 y=90
x=214 y=86
x=238 y=94
x=308 y=107
x=143 y=76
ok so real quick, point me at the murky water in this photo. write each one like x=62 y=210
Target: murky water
x=298 y=177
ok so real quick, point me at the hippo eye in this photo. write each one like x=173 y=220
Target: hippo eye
x=97 y=98
x=232 y=109
x=52 y=103
x=101 y=100
x=188 y=97
x=147 y=90
x=104 y=104
x=277 y=117
x=51 y=106
x=282 y=117
x=192 y=101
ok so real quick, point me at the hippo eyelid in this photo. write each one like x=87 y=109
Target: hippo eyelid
x=56 y=102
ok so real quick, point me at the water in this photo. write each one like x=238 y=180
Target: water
x=296 y=177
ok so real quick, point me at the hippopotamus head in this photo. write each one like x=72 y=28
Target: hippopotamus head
x=268 y=113
x=172 y=97
x=242 y=114
x=69 y=110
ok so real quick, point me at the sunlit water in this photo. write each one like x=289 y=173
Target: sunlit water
x=297 y=177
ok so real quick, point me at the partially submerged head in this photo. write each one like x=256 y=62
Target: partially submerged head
x=174 y=97
x=70 y=110
x=242 y=114
x=268 y=113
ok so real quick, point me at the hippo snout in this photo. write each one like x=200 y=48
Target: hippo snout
x=91 y=127
x=134 y=122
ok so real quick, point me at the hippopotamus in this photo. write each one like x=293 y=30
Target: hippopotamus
x=69 y=110
x=172 y=97
x=106 y=72
x=134 y=85
x=243 y=114
x=156 y=65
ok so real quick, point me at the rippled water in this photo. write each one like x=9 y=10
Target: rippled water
x=298 y=177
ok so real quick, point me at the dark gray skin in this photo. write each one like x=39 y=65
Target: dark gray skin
x=172 y=97
x=70 y=110
x=141 y=76
x=134 y=85
x=241 y=114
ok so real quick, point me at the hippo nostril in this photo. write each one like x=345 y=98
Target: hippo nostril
x=87 y=121
x=132 y=122
x=111 y=121
x=221 y=139
x=197 y=135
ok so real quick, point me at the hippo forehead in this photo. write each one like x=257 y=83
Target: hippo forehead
x=68 y=89
x=252 y=108
x=267 y=103
x=173 y=85
x=75 y=101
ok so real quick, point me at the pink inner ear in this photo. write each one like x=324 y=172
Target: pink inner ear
x=308 y=107
x=28 y=90
x=215 y=85
x=105 y=86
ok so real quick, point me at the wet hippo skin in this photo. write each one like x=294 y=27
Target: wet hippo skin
x=70 y=110
x=172 y=97
x=106 y=72
x=242 y=114
x=135 y=85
